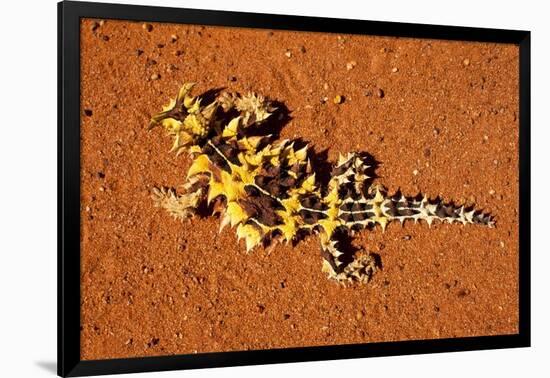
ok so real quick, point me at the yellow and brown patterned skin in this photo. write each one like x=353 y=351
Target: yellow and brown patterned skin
x=267 y=188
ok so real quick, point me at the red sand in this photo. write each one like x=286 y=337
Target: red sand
x=155 y=286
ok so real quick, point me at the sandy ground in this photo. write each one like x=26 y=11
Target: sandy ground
x=439 y=116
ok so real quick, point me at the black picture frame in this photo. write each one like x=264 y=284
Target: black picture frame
x=69 y=14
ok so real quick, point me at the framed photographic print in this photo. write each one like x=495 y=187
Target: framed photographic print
x=239 y=188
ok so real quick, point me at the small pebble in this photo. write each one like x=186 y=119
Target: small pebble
x=466 y=62
x=105 y=38
x=94 y=26
x=303 y=49
x=407 y=237
x=380 y=93
x=147 y=27
x=436 y=131
x=232 y=78
x=485 y=137
x=501 y=244
x=338 y=99
x=350 y=65
x=492 y=192
x=88 y=112
x=88 y=209
x=150 y=62
x=139 y=52
x=155 y=76
x=101 y=22
x=173 y=38
x=394 y=69
x=415 y=172
x=359 y=315
x=288 y=54
x=325 y=86
x=178 y=52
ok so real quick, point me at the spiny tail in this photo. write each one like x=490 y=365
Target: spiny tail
x=401 y=208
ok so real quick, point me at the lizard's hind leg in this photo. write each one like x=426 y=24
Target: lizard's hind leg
x=346 y=267
x=182 y=206
x=346 y=193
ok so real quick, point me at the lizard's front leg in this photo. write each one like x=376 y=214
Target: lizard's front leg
x=182 y=206
x=344 y=267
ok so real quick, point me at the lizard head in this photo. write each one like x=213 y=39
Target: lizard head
x=185 y=119
x=191 y=123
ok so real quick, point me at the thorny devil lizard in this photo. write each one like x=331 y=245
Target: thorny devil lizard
x=267 y=188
